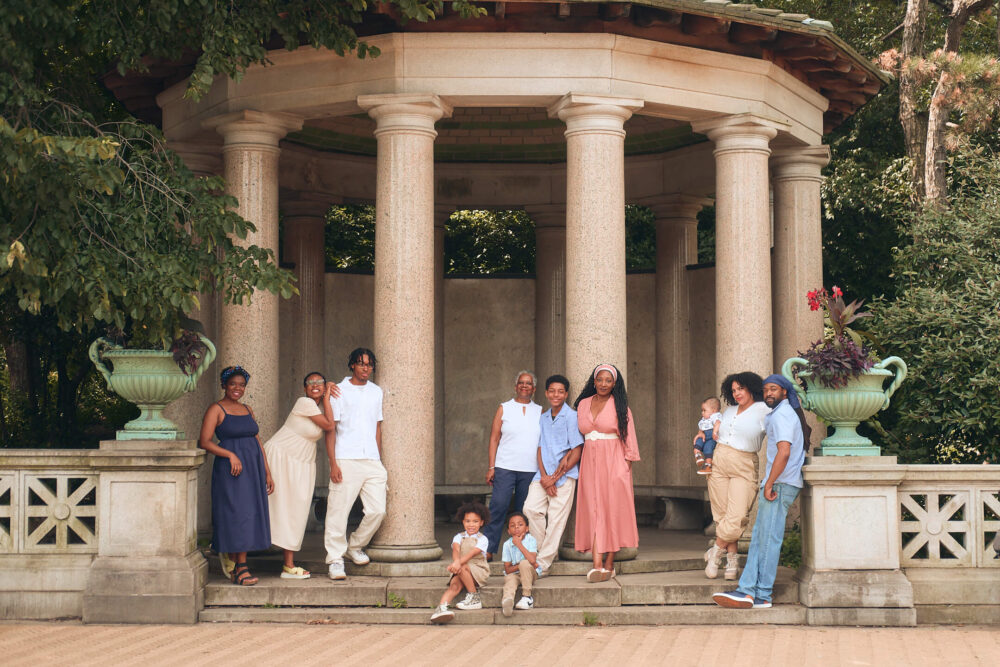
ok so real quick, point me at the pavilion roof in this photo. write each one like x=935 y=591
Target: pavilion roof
x=806 y=47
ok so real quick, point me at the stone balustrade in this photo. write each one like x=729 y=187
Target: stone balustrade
x=106 y=535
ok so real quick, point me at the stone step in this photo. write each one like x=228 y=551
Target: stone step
x=705 y=615
x=663 y=588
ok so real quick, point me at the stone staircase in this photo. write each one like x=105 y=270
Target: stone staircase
x=646 y=591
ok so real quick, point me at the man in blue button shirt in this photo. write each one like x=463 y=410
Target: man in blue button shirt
x=782 y=482
x=550 y=495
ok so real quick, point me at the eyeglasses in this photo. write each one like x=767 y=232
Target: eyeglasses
x=314 y=383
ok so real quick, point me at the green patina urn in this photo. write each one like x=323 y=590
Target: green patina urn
x=151 y=380
x=846 y=407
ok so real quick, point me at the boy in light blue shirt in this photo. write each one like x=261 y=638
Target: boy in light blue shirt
x=519 y=564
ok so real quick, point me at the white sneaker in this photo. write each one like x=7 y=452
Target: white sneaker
x=763 y=604
x=358 y=557
x=526 y=602
x=442 y=615
x=337 y=570
x=713 y=558
x=508 y=606
x=472 y=601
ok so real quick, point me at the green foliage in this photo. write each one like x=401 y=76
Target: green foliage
x=791 y=548
x=640 y=237
x=590 y=619
x=944 y=322
x=485 y=242
x=397 y=601
x=350 y=237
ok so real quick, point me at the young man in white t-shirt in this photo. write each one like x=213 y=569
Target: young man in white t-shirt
x=355 y=451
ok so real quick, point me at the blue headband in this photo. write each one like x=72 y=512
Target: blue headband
x=230 y=372
x=784 y=383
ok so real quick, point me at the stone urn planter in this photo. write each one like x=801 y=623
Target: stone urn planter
x=846 y=407
x=151 y=380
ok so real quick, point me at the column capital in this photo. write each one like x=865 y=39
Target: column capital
x=745 y=132
x=800 y=162
x=407 y=112
x=307 y=207
x=256 y=129
x=594 y=114
x=547 y=216
x=676 y=205
x=203 y=158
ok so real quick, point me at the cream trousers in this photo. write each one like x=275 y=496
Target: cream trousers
x=525 y=576
x=547 y=517
x=732 y=487
x=364 y=477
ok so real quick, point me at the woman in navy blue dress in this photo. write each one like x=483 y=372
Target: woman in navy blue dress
x=241 y=480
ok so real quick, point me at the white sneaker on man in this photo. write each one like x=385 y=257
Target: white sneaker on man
x=337 y=570
x=358 y=557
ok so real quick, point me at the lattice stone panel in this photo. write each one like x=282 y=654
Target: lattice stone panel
x=59 y=513
x=937 y=528
x=988 y=520
x=8 y=514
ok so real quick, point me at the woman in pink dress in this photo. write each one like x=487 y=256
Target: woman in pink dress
x=605 y=505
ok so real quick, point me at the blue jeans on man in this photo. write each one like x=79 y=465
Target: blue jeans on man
x=705 y=443
x=761 y=569
x=507 y=485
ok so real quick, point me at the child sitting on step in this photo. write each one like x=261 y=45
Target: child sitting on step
x=519 y=564
x=708 y=433
x=469 y=569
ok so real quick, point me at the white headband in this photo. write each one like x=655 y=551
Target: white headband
x=609 y=368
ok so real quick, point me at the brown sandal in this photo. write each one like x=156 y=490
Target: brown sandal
x=242 y=576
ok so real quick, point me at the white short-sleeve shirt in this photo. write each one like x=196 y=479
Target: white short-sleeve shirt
x=482 y=543
x=357 y=413
x=744 y=431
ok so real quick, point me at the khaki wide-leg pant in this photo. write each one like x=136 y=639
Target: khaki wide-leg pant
x=731 y=490
x=364 y=477
x=525 y=576
x=547 y=517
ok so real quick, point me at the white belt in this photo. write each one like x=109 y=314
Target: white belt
x=597 y=435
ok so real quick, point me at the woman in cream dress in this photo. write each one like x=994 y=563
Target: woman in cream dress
x=291 y=454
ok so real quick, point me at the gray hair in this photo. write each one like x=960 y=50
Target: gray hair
x=534 y=379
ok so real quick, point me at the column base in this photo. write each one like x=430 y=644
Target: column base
x=569 y=553
x=682 y=514
x=876 y=589
x=153 y=589
x=848 y=450
x=408 y=553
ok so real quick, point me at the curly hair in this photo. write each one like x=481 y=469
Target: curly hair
x=617 y=392
x=473 y=507
x=748 y=380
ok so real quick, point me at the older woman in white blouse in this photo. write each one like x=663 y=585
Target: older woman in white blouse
x=732 y=485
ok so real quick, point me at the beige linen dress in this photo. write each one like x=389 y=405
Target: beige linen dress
x=291 y=455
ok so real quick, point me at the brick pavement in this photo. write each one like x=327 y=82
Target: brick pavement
x=244 y=644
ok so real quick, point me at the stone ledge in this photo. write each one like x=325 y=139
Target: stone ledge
x=850 y=589
x=890 y=617
x=959 y=614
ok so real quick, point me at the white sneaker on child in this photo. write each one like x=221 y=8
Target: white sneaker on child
x=442 y=615
x=526 y=602
x=508 y=606
x=471 y=601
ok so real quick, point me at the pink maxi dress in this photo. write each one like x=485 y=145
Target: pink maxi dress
x=605 y=504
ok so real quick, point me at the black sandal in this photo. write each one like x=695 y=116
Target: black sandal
x=242 y=576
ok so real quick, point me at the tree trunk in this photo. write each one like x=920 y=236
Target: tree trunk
x=913 y=121
x=935 y=177
x=17 y=365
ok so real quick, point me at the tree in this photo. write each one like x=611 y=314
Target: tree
x=100 y=224
x=945 y=319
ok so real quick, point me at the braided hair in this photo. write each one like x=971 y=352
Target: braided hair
x=617 y=393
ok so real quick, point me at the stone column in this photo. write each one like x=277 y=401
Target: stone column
x=550 y=291
x=404 y=317
x=441 y=217
x=248 y=332
x=304 y=246
x=595 y=230
x=742 y=242
x=676 y=247
x=798 y=247
x=204 y=159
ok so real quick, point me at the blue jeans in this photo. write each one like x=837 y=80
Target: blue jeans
x=765 y=544
x=705 y=443
x=506 y=483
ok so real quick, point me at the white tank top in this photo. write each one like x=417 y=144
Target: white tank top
x=519 y=434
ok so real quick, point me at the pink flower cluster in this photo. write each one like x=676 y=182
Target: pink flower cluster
x=819 y=298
